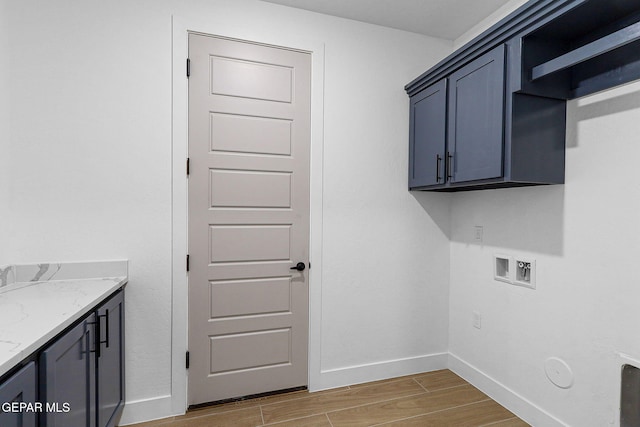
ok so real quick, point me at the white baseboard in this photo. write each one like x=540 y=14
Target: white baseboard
x=340 y=377
x=161 y=407
x=139 y=411
x=508 y=398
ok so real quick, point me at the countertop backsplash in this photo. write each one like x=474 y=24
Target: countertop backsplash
x=7 y=275
x=44 y=272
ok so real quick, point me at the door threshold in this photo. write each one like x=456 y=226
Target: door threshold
x=249 y=397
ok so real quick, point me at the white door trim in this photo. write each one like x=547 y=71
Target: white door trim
x=181 y=27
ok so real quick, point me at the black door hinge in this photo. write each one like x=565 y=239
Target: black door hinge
x=187 y=262
x=188 y=67
x=187 y=166
x=187 y=360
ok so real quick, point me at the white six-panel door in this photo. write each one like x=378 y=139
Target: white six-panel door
x=249 y=141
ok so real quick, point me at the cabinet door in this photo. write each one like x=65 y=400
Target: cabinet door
x=111 y=361
x=476 y=118
x=67 y=379
x=21 y=387
x=427 y=136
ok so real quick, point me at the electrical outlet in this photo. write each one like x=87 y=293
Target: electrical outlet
x=477 y=320
x=478 y=232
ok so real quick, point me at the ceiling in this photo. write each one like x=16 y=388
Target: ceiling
x=447 y=19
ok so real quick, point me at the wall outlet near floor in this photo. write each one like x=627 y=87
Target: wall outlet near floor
x=477 y=320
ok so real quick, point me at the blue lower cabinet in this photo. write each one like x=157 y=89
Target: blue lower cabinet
x=18 y=397
x=67 y=384
x=110 y=373
x=82 y=372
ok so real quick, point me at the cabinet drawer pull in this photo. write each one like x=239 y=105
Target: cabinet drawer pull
x=449 y=164
x=438 y=159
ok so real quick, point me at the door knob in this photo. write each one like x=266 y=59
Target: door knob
x=299 y=266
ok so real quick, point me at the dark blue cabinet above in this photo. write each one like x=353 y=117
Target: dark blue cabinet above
x=476 y=119
x=492 y=114
x=428 y=129
x=465 y=134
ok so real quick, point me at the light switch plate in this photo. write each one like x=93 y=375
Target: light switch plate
x=478 y=233
x=477 y=320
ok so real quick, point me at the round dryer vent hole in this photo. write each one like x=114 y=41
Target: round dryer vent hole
x=558 y=372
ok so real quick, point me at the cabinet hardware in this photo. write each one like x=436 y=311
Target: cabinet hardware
x=106 y=341
x=96 y=337
x=438 y=159
x=187 y=360
x=449 y=163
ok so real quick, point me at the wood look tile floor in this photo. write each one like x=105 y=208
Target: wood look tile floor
x=433 y=399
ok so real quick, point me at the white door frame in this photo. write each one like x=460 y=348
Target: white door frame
x=179 y=142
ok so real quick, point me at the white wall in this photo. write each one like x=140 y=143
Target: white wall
x=585 y=237
x=4 y=136
x=90 y=172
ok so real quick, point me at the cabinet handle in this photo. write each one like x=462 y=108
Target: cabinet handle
x=106 y=341
x=107 y=329
x=96 y=337
x=449 y=169
x=438 y=159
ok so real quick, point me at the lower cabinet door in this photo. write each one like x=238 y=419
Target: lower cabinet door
x=67 y=379
x=21 y=387
x=111 y=361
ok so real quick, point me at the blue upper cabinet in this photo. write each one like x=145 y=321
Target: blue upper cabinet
x=476 y=119
x=427 y=129
x=468 y=133
x=110 y=359
x=502 y=121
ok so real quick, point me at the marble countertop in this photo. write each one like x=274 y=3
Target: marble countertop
x=38 y=301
